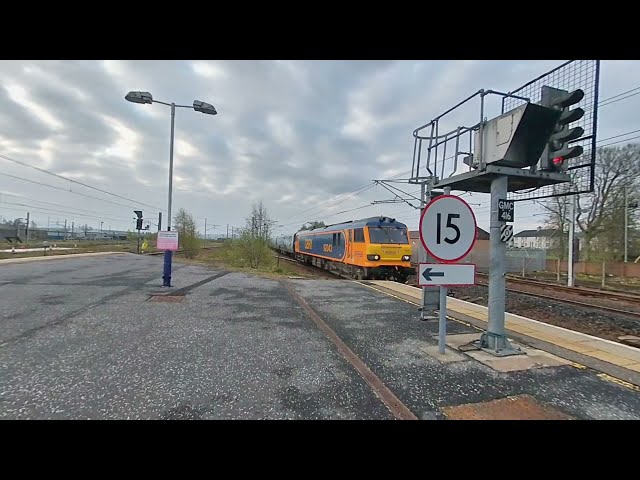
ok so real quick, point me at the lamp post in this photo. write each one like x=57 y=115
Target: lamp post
x=198 y=106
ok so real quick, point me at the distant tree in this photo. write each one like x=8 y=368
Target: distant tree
x=185 y=224
x=557 y=218
x=252 y=242
x=259 y=223
x=312 y=225
x=615 y=168
x=600 y=214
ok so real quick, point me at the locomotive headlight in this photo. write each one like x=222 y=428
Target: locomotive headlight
x=373 y=257
x=406 y=258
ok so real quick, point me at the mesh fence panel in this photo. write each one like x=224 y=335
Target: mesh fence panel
x=570 y=76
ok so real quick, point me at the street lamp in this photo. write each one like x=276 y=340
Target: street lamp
x=198 y=106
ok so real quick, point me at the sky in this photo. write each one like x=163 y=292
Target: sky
x=296 y=135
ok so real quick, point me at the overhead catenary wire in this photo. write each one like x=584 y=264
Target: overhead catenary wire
x=68 y=191
x=618 y=95
x=74 y=214
x=47 y=203
x=352 y=195
x=619 y=141
x=10 y=159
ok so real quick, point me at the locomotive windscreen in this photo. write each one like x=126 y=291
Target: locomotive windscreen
x=388 y=235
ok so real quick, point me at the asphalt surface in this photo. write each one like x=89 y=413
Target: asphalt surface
x=79 y=338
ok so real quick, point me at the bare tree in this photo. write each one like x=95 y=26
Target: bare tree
x=615 y=168
x=259 y=223
x=557 y=217
x=611 y=239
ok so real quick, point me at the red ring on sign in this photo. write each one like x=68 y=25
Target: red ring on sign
x=475 y=234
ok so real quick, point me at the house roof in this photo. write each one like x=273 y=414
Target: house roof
x=543 y=232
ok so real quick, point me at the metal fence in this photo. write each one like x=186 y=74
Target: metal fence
x=523 y=260
x=519 y=260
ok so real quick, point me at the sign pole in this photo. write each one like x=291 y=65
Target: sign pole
x=430 y=300
x=442 y=326
x=447 y=232
x=494 y=339
x=422 y=253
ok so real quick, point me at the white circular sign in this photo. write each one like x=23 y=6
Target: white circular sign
x=448 y=228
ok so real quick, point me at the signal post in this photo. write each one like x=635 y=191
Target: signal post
x=526 y=147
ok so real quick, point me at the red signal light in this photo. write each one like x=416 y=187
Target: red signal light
x=558 y=161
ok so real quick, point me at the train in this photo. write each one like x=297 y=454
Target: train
x=374 y=248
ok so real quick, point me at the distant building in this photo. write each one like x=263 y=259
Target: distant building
x=541 y=238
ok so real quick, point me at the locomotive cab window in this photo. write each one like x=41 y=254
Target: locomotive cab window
x=388 y=235
x=334 y=240
x=339 y=239
x=359 y=235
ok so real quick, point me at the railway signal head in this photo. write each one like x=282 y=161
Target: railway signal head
x=558 y=151
x=516 y=138
x=139 y=219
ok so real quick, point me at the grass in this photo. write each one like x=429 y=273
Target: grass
x=227 y=257
x=222 y=255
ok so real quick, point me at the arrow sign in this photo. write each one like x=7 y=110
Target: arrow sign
x=427 y=274
x=446 y=274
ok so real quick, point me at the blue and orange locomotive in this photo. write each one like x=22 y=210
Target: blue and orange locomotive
x=375 y=248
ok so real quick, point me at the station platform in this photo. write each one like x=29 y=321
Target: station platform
x=620 y=361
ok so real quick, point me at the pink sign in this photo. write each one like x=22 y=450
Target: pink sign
x=167 y=241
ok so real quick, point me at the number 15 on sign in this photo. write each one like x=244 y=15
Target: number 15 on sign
x=448 y=228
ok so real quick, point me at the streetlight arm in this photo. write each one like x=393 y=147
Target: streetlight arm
x=163 y=103
x=168 y=104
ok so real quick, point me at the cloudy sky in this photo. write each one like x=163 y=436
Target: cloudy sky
x=293 y=134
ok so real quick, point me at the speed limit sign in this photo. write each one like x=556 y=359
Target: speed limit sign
x=448 y=228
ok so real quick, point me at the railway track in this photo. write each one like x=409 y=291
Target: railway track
x=482 y=280
x=575 y=302
x=547 y=288
x=310 y=268
x=583 y=291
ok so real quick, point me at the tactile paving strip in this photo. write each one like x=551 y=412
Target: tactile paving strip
x=520 y=407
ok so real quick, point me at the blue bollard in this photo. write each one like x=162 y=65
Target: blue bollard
x=166 y=277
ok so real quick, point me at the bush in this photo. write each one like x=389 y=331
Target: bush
x=252 y=251
x=187 y=234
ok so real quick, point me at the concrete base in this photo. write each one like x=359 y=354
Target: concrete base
x=448 y=357
x=533 y=359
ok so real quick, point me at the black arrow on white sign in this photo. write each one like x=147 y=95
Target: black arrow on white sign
x=427 y=274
